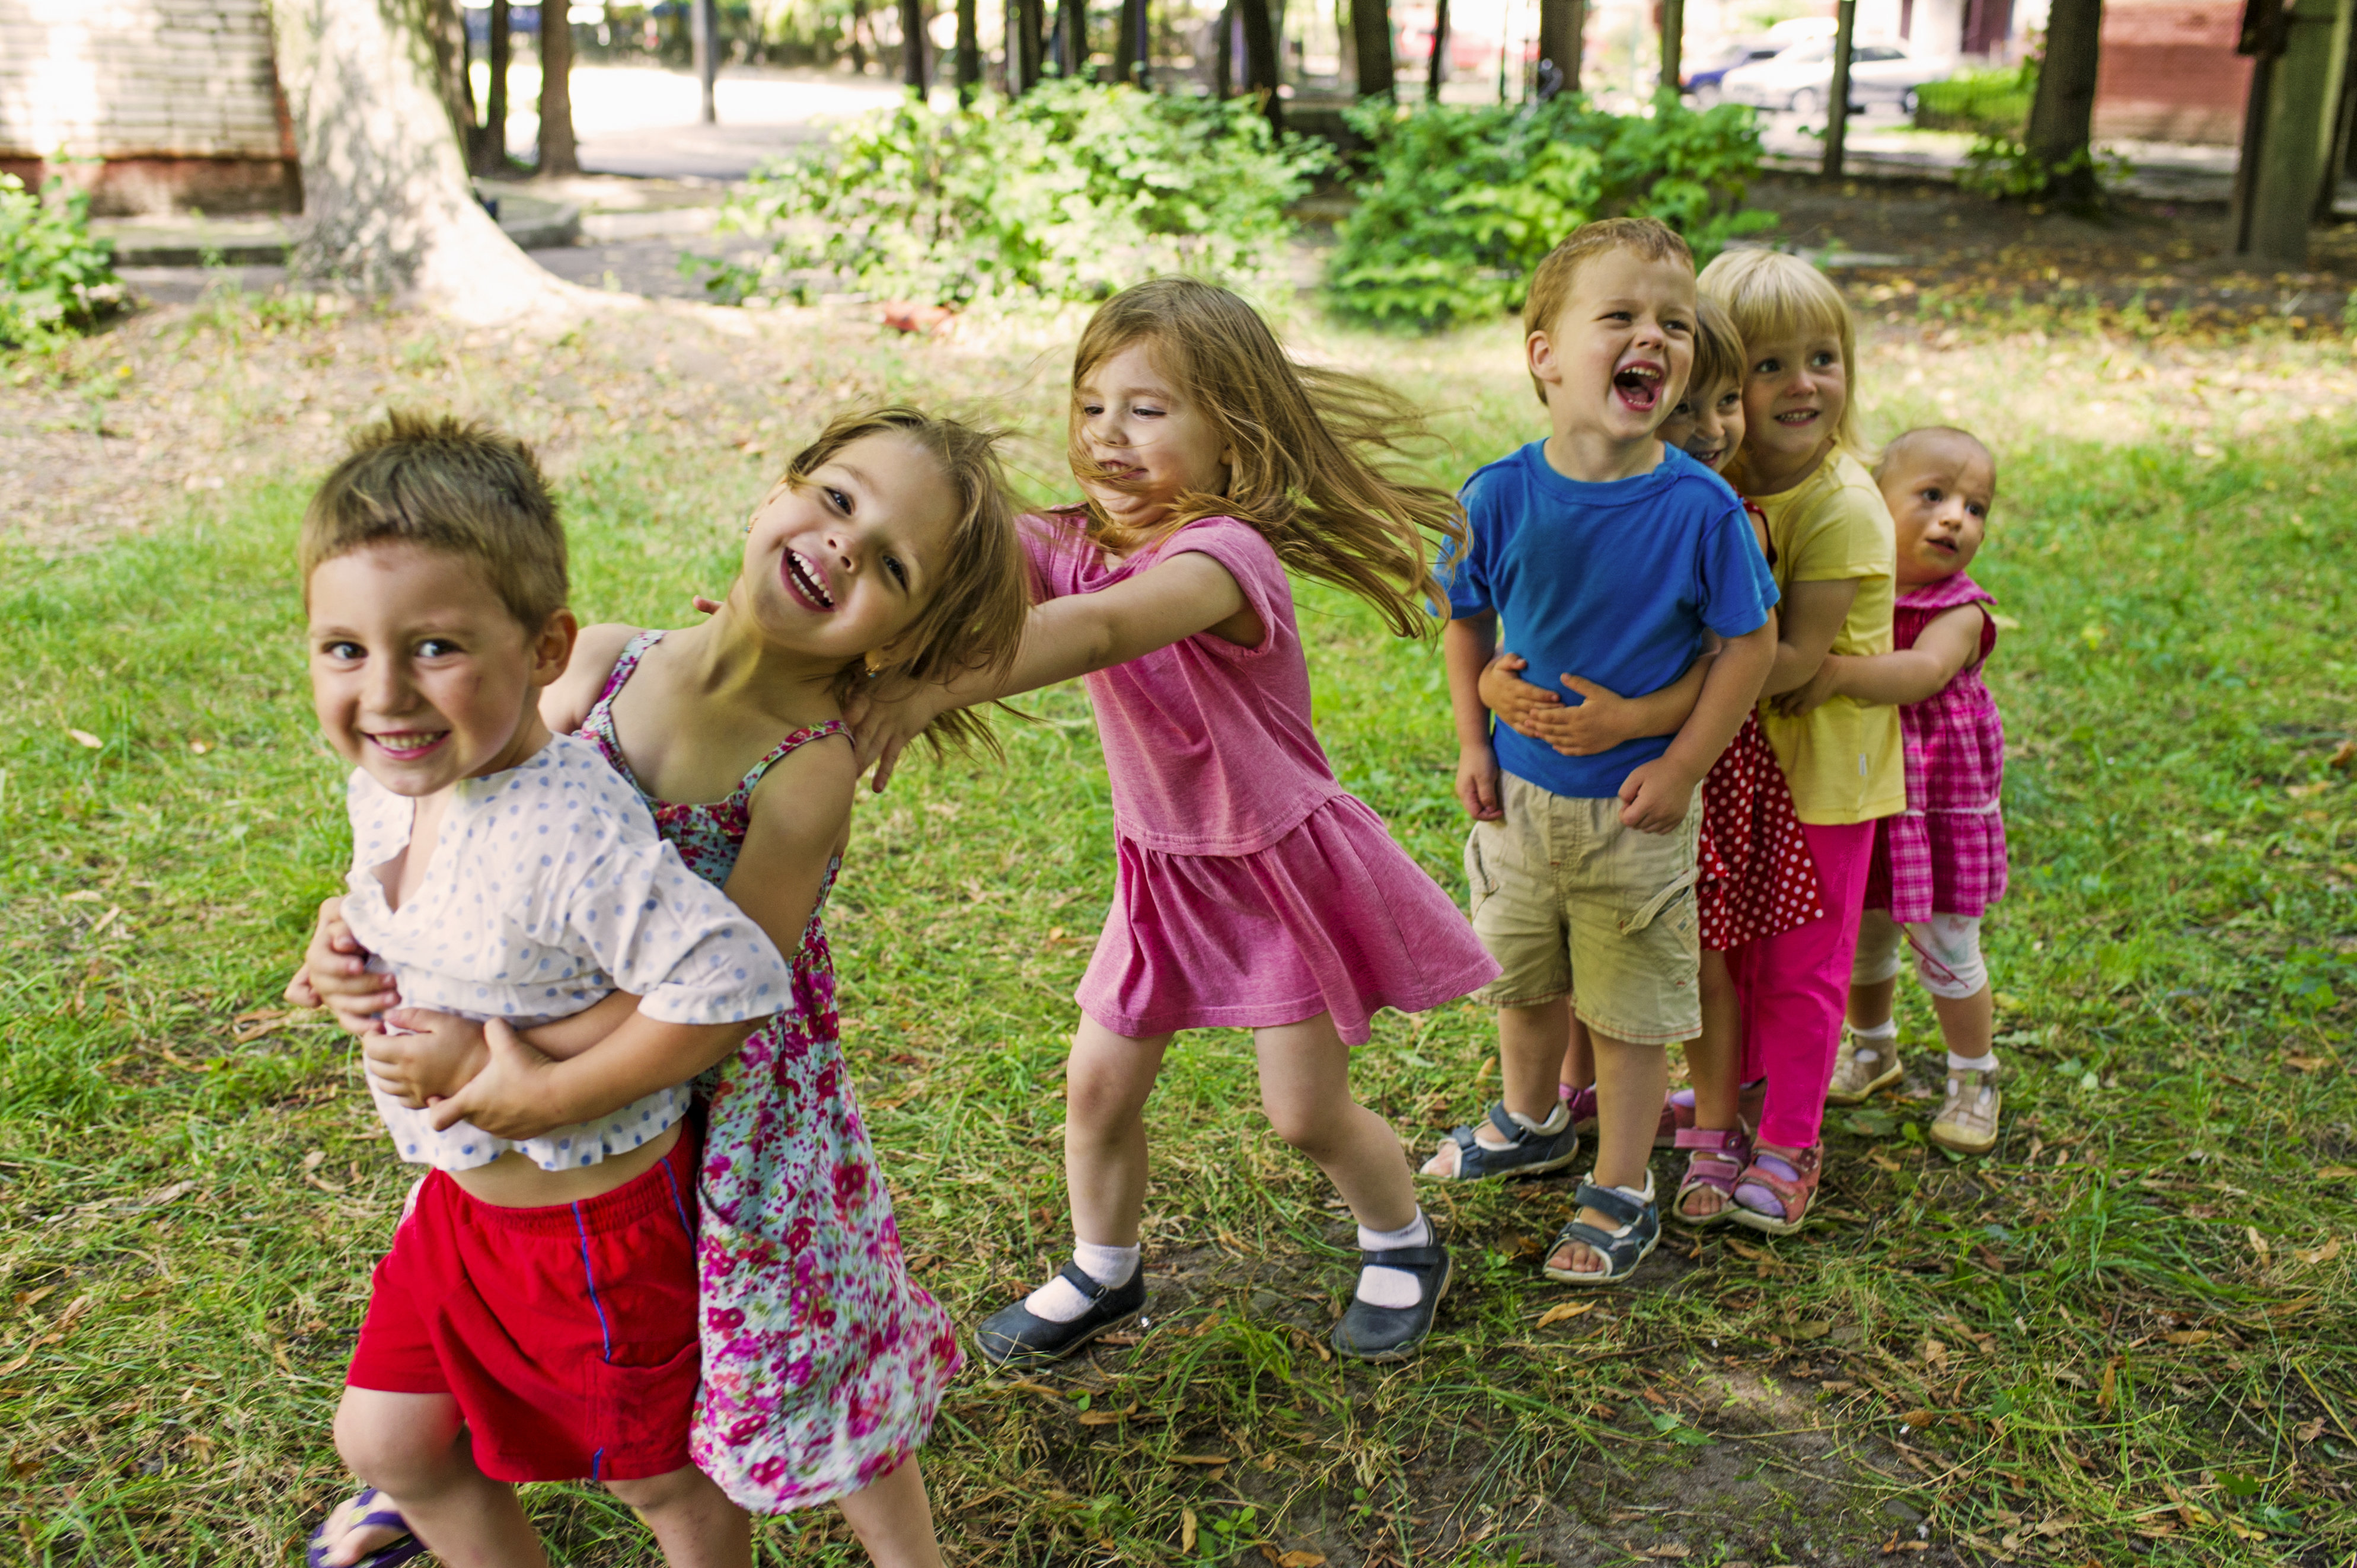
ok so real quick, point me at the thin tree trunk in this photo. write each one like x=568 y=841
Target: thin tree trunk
x=913 y=74
x=1132 y=52
x=1072 y=36
x=1024 y=53
x=1674 y=39
x=1259 y=58
x=494 y=159
x=1223 y=54
x=1371 y=39
x=858 y=49
x=558 y=153
x=1837 y=90
x=969 y=54
x=1561 y=23
x=2063 y=114
x=1436 y=69
x=371 y=88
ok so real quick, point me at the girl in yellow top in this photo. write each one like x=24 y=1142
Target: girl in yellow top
x=1834 y=554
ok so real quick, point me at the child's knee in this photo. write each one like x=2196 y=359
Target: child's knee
x=1313 y=1128
x=1948 y=956
x=673 y=1488
x=397 y=1442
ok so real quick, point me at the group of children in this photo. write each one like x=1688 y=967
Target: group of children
x=582 y=938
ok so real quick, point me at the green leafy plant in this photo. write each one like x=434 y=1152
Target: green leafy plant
x=2005 y=170
x=1464 y=202
x=55 y=277
x=1067 y=192
x=1986 y=103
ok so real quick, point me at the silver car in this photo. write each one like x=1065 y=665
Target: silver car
x=1800 y=77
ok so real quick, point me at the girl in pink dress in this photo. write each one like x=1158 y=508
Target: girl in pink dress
x=1250 y=891
x=1940 y=864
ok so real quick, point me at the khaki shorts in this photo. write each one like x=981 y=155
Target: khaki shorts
x=1571 y=903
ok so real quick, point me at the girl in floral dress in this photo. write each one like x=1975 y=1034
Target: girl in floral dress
x=888 y=545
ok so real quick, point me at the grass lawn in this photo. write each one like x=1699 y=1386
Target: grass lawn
x=2111 y=1341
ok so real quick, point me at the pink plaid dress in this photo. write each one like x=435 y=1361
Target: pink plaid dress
x=1945 y=853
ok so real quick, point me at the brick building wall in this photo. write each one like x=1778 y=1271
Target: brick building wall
x=153 y=105
x=2169 y=73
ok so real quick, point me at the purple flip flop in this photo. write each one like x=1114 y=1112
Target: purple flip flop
x=400 y=1548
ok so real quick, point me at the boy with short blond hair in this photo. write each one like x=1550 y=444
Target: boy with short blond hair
x=1614 y=555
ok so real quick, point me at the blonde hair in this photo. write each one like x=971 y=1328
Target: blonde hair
x=1923 y=435
x=455 y=486
x=1306 y=441
x=1651 y=239
x=1718 y=349
x=975 y=616
x=1772 y=298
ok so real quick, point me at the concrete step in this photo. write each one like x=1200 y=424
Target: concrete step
x=194 y=240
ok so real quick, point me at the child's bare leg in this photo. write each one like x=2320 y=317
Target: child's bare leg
x=1630 y=1082
x=894 y=1520
x=411 y=1448
x=1578 y=1069
x=1714 y=1064
x=1872 y=1002
x=692 y=1519
x=1107 y=1079
x=1968 y=1024
x=1305 y=1088
x=1530 y=1053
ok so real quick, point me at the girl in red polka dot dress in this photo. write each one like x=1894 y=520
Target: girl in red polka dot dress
x=1754 y=877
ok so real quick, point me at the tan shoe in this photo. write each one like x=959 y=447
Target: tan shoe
x=1860 y=1069
x=1967 y=1123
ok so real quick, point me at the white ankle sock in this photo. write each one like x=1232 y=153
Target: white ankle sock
x=1888 y=1034
x=1971 y=1063
x=1392 y=1287
x=1059 y=1302
x=1488 y=1137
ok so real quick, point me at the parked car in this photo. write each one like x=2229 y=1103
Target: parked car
x=1702 y=81
x=1799 y=77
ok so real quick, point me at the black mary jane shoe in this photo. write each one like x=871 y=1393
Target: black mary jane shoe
x=1370 y=1333
x=1016 y=1336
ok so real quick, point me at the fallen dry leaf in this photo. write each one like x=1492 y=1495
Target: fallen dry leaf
x=2310 y=1431
x=33 y=1297
x=2308 y=1063
x=1553 y=1314
x=1811 y=1328
x=1200 y=1459
x=2190 y=1336
x=1186 y=1530
x=1295 y=1559
x=2335 y=1173
x=1107 y=1417
x=2324 y=1254
x=86 y=738
x=1668 y=1549
x=17 y=1365
x=1918 y=1419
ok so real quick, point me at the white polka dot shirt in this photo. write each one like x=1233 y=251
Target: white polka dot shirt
x=548 y=891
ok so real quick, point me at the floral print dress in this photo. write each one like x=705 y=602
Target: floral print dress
x=823 y=1363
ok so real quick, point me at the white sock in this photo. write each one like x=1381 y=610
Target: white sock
x=1059 y=1302
x=1885 y=1035
x=1971 y=1063
x=1392 y=1287
x=1488 y=1137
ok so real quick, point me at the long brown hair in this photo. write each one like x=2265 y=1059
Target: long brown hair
x=1307 y=444
x=974 y=619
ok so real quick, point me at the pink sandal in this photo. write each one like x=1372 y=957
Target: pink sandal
x=1776 y=1190
x=1717 y=1162
x=1582 y=1101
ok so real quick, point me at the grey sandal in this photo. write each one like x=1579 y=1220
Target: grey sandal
x=1526 y=1154
x=1623 y=1249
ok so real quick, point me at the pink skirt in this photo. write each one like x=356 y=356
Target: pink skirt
x=1333 y=918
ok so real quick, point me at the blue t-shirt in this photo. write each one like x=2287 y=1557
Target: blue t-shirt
x=1614 y=582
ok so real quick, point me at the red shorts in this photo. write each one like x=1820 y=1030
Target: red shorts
x=566 y=1334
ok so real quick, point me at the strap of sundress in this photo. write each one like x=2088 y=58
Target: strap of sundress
x=788 y=746
x=632 y=651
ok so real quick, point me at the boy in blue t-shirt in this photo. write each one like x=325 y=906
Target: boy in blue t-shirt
x=1608 y=553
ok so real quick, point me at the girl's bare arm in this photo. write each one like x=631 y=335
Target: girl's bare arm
x=1908 y=675
x=1811 y=617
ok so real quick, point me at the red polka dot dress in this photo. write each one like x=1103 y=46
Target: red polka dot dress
x=1756 y=876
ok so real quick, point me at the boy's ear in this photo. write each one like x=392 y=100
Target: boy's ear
x=551 y=648
x=1538 y=350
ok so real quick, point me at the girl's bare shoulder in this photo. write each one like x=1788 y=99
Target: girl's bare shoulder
x=565 y=705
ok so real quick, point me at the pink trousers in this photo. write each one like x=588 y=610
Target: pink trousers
x=1794 y=987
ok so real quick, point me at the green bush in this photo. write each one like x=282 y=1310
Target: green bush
x=1986 y=102
x=1464 y=202
x=54 y=278
x=1067 y=192
x=2005 y=170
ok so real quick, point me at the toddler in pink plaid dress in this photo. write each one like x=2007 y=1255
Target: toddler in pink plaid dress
x=1940 y=864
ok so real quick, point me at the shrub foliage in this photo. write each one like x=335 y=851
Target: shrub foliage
x=54 y=276
x=1463 y=203
x=1067 y=192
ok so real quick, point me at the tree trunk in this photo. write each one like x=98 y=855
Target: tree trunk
x=2061 y=117
x=558 y=154
x=1561 y=24
x=1259 y=58
x=969 y=54
x=491 y=154
x=1673 y=40
x=858 y=49
x=703 y=41
x=1223 y=55
x=913 y=74
x=1072 y=36
x=372 y=88
x=1837 y=90
x=1371 y=39
x=1436 y=68
x=1131 y=58
x=1023 y=48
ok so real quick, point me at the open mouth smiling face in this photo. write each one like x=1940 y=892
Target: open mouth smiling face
x=1625 y=332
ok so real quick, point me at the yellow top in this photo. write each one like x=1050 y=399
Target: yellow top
x=1843 y=759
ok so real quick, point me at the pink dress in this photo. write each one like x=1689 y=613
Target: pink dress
x=1945 y=853
x=823 y=1363
x=1250 y=888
